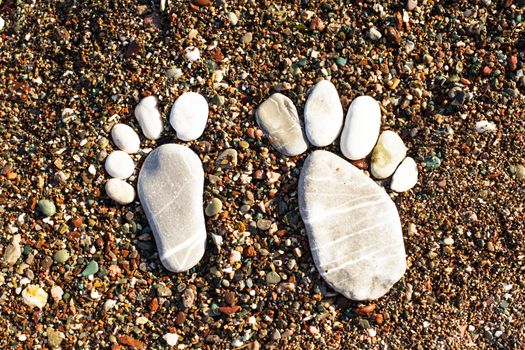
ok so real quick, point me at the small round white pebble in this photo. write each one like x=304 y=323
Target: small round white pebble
x=189 y=115
x=119 y=165
x=405 y=176
x=192 y=53
x=125 y=138
x=148 y=116
x=109 y=304
x=120 y=191
x=171 y=338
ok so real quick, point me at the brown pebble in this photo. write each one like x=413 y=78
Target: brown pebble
x=317 y=24
x=154 y=305
x=202 y=2
x=393 y=35
x=513 y=62
x=181 y=317
x=379 y=318
x=132 y=342
x=249 y=252
x=230 y=298
x=360 y=163
x=228 y=310
x=366 y=309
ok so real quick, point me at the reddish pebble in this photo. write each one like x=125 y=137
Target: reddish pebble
x=366 y=309
x=249 y=252
x=251 y=133
x=77 y=222
x=259 y=174
x=154 y=305
x=181 y=317
x=487 y=70
x=379 y=318
x=201 y=2
x=258 y=133
x=134 y=343
x=360 y=163
x=228 y=310
x=513 y=62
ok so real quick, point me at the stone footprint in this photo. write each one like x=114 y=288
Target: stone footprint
x=353 y=226
x=171 y=181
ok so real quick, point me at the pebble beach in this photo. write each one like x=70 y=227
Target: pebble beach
x=79 y=270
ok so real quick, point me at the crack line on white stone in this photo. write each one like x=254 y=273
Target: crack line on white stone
x=345 y=210
x=364 y=257
x=348 y=236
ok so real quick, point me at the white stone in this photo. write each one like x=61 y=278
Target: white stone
x=278 y=117
x=2 y=23
x=119 y=165
x=323 y=114
x=125 y=138
x=170 y=188
x=56 y=293
x=389 y=151
x=353 y=227
x=148 y=116
x=361 y=128
x=189 y=115
x=33 y=296
x=120 y=191
x=109 y=304
x=192 y=53
x=485 y=126
x=405 y=176
x=171 y=338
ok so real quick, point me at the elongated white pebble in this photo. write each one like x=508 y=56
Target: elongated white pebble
x=405 y=177
x=125 y=138
x=120 y=191
x=148 y=116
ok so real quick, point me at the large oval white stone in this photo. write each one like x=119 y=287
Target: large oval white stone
x=120 y=191
x=323 y=114
x=361 y=128
x=170 y=188
x=405 y=176
x=353 y=227
x=125 y=138
x=389 y=151
x=119 y=165
x=189 y=115
x=148 y=116
x=278 y=117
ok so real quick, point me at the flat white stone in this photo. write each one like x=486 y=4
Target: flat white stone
x=389 y=151
x=361 y=128
x=171 y=338
x=119 y=165
x=323 y=114
x=148 y=116
x=484 y=126
x=120 y=191
x=34 y=296
x=125 y=138
x=189 y=115
x=353 y=227
x=278 y=117
x=170 y=188
x=405 y=176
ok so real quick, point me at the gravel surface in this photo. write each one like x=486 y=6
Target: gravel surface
x=70 y=70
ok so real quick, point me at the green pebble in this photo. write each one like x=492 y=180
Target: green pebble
x=47 y=207
x=273 y=277
x=61 y=256
x=214 y=207
x=341 y=61
x=91 y=268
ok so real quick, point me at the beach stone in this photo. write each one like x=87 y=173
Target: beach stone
x=214 y=207
x=389 y=151
x=227 y=159
x=120 y=191
x=374 y=34
x=192 y=53
x=189 y=115
x=353 y=227
x=54 y=338
x=148 y=115
x=361 y=128
x=278 y=117
x=125 y=138
x=90 y=269
x=47 y=207
x=323 y=114
x=171 y=338
x=405 y=176
x=119 y=165
x=34 y=296
x=61 y=256
x=170 y=188
x=13 y=252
